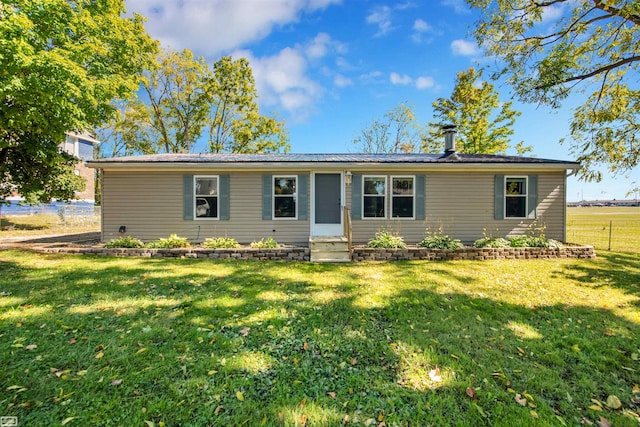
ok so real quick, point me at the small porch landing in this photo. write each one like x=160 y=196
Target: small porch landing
x=329 y=249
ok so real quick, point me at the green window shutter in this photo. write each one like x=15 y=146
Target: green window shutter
x=303 y=196
x=419 y=196
x=498 y=195
x=187 y=196
x=267 y=189
x=532 y=197
x=356 y=196
x=223 y=197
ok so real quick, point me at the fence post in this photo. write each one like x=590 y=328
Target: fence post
x=610 y=230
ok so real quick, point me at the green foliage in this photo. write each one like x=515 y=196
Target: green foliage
x=269 y=243
x=62 y=65
x=439 y=240
x=397 y=132
x=592 y=47
x=173 y=241
x=220 y=242
x=387 y=239
x=188 y=100
x=491 y=242
x=534 y=238
x=235 y=123
x=472 y=108
x=125 y=242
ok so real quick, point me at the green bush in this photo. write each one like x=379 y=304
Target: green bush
x=386 y=239
x=220 y=242
x=491 y=242
x=173 y=241
x=125 y=242
x=438 y=240
x=265 y=244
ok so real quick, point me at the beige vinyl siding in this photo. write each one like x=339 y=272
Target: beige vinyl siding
x=462 y=205
x=150 y=205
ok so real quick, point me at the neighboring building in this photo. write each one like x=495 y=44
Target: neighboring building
x=82 y=146
x=296 y=198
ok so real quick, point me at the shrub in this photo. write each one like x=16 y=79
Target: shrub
x=437 y=240
x=220 y=242
x=125 y=242
x=173 y=241
x=491 y=242
x=265 y=244
x=386 y=239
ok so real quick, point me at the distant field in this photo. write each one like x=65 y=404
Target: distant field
x=591 y=226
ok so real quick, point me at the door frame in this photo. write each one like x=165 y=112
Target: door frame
x=327 y=229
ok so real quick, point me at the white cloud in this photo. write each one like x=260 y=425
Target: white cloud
x=322 y=45
x=341 y=81
x=282 y=81
x=425 y=82
x=459 y=6
x=421 y=83
x=552 y=13
x=464 y=48
x=421 y=26
x=381 y=16
x=398 y=79
x=211 y=27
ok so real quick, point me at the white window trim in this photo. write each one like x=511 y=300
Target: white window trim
x=195 y=197
x=413 y=196
x=273 y=198
x=386 y=195
x=525 y=195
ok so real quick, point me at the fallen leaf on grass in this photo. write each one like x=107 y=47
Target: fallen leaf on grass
x=435 y=376
x=603 y=422
x=150 y=423
x=586 y=422
x=613 y=402
x=608 y=332
x=100 y=355
x=534 y=414
x=303 y=420
x=116 y=382
x=332 y=394
x=305 y=346
x=595 y=407
x=521 y=400
x=31 y=347
x=67 y=420
x=239 y=395
x=471 y=392
x=244 y=331
x=353 y=361
x=73 y=341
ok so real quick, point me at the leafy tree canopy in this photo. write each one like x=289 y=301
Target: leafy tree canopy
x=484 y=123
x=550 y=49
x=397 y=131
x=187 y=100
x=62 y=63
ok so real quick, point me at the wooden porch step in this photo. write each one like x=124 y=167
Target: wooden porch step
x=329 y=249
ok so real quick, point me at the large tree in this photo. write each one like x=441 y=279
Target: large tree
x=186 y=101
x=484 y=123
x=397 y=131
x=62 y=63
x=550 y=49
x=235 y=123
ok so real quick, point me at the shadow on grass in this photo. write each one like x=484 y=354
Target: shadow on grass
x=228 y=343
x=11 y=225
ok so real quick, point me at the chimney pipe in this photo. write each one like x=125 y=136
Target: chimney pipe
x=449 y=139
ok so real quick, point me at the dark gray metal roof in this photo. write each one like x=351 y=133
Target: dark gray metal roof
x=329 y=158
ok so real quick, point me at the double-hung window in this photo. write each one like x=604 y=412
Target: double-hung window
x=374 y=196
x=206 y=196
x=402 y=196
x=284 y=197
x=515 y=197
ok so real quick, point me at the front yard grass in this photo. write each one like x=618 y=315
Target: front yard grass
x=183 y=342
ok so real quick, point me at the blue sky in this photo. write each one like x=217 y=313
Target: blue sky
x=329 y=67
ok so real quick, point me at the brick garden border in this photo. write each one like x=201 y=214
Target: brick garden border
x=360 y=253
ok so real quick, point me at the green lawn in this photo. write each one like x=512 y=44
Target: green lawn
x=42 y=224
x=150 y=342
x=591 y=226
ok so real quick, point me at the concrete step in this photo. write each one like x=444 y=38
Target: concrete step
x=330 y=256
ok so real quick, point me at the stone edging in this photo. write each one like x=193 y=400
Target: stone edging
x=358 y=254
x=470 y=253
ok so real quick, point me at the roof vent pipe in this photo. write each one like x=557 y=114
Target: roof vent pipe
x=449 y=139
